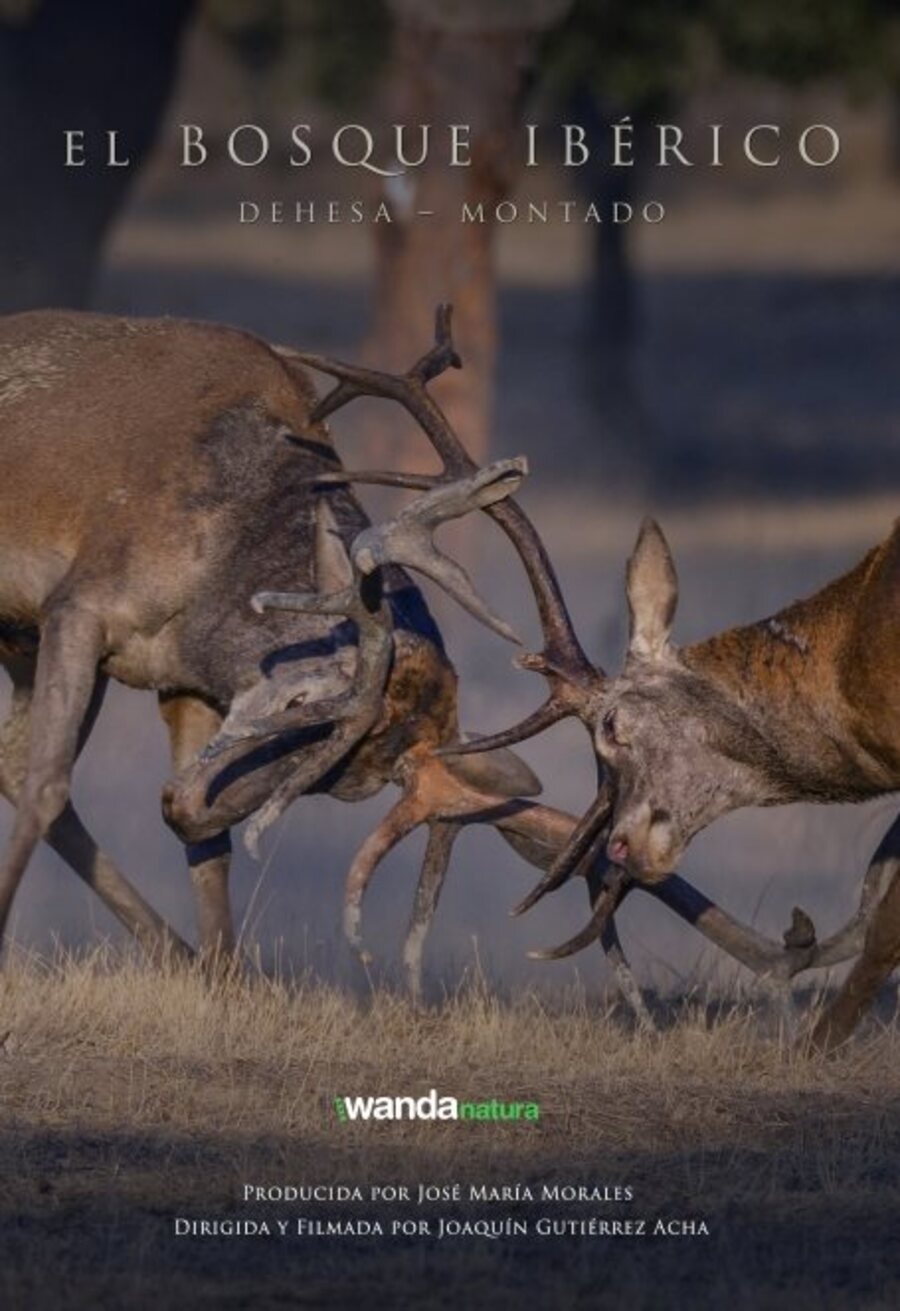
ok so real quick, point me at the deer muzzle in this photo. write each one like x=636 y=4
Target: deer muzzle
x=642 y=841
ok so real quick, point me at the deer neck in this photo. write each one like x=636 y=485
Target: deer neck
x=784 y=674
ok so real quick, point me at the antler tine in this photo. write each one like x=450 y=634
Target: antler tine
x=574 y=681
x=443 y=354
x=579 y=844
x=616 y=885
x=415 y=482
x=356 y=380
x=409 y=538
x=543 y=718
x=400 y=821
x=441 y=837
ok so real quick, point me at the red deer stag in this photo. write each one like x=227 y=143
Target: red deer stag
x=154 y=474
x=803 y=706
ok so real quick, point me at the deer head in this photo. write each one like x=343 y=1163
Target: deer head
x=673 y=751
x=679 y=751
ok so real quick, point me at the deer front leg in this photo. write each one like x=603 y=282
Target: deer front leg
x=191 y=724
x=615 y=953
x=67 y=835
x=880 y=952
x=65 y=678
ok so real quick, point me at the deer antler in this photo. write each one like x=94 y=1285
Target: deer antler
x=581 y=841
x=562 y=660
x=574 y=683
x=553 y=841
x=353 y=713
x=536 y=832
x=779 y=961
x=222 y=785
x=405 y=540
x=434 y=793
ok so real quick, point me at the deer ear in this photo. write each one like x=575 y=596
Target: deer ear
x=652 y=590
x=334 y=572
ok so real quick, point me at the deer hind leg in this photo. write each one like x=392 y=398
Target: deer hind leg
x=191 y=724
x=880 y=952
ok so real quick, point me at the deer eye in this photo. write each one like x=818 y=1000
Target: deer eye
x=609 y=729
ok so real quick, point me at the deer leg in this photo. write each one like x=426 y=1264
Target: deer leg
x=441 y=837
x=609 y=940
x=67 y=835
x=191 y=724
x=849 y=940
x=880 y=952
x=64 y=683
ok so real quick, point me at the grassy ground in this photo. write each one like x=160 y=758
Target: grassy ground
x=130 y=1097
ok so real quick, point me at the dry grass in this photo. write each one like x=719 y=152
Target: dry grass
x=130 y=1096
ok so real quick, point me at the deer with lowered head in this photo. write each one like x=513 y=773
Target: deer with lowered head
x=801 y=706
x=156 y=475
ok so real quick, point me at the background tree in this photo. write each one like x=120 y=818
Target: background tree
x=93 y=65
x=610 y=60
x=467 y=63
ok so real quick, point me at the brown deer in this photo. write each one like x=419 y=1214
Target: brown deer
x=154 y=474
x=803 y=706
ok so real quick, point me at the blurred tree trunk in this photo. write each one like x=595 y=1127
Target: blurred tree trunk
x=611 y=311
x=442 y=74
x=612 y=321
x=895 y=129
x=96 y=65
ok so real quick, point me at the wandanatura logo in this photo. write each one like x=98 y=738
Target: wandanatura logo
x=431 y=1107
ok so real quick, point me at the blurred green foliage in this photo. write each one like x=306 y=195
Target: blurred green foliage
x=335 y=51
x=628 y=54
x=794 y=41
x=647 y=53
x=641 y=53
